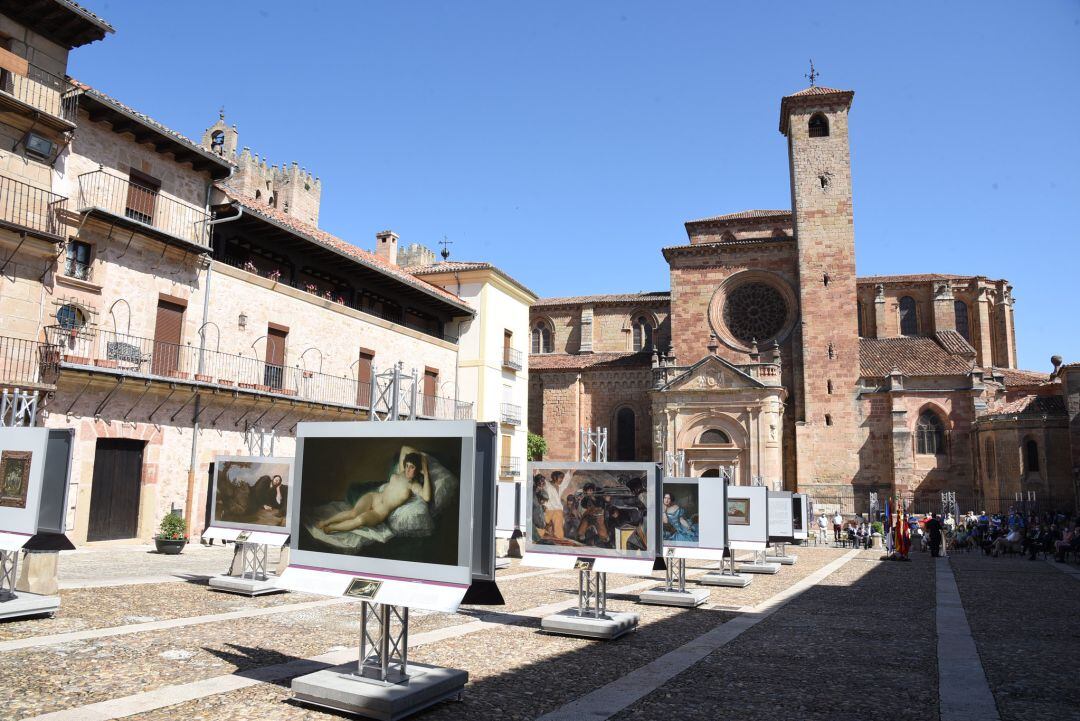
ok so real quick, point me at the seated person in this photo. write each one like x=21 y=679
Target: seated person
x=411 y=476
x=1009 y=542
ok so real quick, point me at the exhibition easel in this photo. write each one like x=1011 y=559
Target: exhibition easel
x=759 y=564
x=253 y=549
x=674 y=592
x=780 y=554
x=9 y=573
x=22 y=603
x=727 y=575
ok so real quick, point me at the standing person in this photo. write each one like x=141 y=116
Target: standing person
x=823 y=525
x=837 y=523
x=933 y=529
x=553 y=506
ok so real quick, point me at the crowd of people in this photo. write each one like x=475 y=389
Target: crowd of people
x=1048 y=533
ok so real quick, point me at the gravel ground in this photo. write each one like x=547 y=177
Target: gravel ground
x=840 y=650
x=1025 y=618
x=100 y=563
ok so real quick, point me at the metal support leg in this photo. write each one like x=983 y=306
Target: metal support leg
x=253 y=557
x=727 y=564
x=384 y=643
x=9 y=574
x=676 y=575
x=592 y=594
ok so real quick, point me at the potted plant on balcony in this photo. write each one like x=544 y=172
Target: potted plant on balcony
x=170 y=538
x=274 y=276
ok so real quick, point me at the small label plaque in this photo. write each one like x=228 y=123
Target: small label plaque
x=243 y=536
x=363 y=588
x=584 y=564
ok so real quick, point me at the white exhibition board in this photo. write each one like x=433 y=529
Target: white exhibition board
x=781 y=524
x=274 y=540
x=12 y=541
x=507 y=508
x=701 y=498
x=22 y=465
x=392 y=591
x=800 y=516
x=747 y=517
x=599 y=564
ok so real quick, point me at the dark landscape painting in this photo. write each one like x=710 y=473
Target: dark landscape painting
x=252 y=492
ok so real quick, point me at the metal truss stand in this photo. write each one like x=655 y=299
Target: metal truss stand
x=781 y=556
x=591 y=618
x=23 y=603
x=382 y=684
x=760 y=564
x=727 y=576
x=253 y=579
x=674 y=592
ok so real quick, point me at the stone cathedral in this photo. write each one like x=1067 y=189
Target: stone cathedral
x=771 y=359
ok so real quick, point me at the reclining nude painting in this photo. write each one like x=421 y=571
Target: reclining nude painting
x=391 y=498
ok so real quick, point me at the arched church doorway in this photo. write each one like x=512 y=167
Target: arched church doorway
x=625 y=445
x=711 y=473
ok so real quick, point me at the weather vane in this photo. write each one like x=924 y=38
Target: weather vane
x=813 y=74
x=221 y=112
x=445 y=247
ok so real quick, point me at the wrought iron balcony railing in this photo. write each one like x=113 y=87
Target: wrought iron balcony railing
x=512 y=359
x=42 y=90
x=28 y=208
x=118 y=196
x=77 y=270
x=510 y=467
x=510 y=414
x=123 y=353
x=27 y=362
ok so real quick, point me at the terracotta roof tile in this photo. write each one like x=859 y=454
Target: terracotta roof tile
x=1031 y=406
x=1016 y=377
x=952 y=342
x=743 y=215
x=912 y=356
x=659 y=296
x=809 y=96
x=816 y=90
x=569 y=361
x=326 y=239
x=462 y=266
x=914 y=278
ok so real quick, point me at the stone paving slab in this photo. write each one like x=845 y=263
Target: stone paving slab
x=107 y=564
x=1025 y=619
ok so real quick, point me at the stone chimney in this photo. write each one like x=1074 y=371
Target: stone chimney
x=386 y=246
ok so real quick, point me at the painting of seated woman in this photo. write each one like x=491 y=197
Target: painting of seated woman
x=389 y=498
x=679 y=514
x=251 y=492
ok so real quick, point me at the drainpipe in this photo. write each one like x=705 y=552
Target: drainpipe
x=193 y=463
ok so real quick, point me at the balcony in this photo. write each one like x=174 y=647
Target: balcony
x=510 y=467
x=145 y=209
x=24 y=208
x=78 y=271
x=28 y=363
x=124 y=354
x=39 y=91
x=510 y=414
x=512 y=359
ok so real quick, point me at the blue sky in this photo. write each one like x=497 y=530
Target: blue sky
x=567 y=142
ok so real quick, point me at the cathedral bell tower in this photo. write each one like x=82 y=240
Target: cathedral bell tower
x=815 y=122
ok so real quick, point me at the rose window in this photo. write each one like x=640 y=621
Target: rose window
x=755 y=311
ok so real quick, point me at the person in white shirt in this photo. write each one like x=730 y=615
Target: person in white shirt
x=553 y=505
x=837 y=523
x=823 y=525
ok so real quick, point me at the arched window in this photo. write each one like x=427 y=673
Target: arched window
x=258 y=194
x=819 y=126
x=909 y=323
x=70 y=317
x=961 y=314
x=542 y=342
x=625 y=445
x=713 y=436
x=711 y=473
x=929 y=434
x=217 y=141
x=1031 y=456
x=642 y=333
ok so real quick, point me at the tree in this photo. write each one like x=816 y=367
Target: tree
x=537 y=447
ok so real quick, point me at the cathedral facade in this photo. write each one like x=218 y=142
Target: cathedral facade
x=770 y=361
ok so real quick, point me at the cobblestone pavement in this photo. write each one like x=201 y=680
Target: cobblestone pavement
x=842 y=648
x=1025 y=619
x=121 y=564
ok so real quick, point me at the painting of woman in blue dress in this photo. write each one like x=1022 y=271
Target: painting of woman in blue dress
x=680 y=513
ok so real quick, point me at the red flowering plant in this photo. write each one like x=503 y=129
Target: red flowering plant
x=274 y=275
x=172 y=528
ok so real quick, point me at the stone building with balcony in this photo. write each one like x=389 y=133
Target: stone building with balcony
x=174 y=301
x=770 y=360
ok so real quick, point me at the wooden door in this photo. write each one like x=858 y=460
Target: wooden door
x=142 y=197
x=506 y=463
x=363 y=377
x=114 y=496
x=170 y=320
x=275 y=357
x=431 y=385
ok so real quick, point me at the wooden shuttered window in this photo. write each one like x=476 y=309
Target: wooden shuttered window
x=167 y=332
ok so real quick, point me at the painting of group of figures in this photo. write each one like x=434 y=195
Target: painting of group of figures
x=590 y=508
x=251 y=492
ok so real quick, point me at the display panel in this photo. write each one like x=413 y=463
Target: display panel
x=693 y=518
x=22 y=464
x=800 y=518
x=747 y=517
x=252 y=493
x=592 y=510
x=781 y=526
x=393 y=500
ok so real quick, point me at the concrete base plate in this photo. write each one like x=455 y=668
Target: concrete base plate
x=245 y=586
x=502 y=563
x=28 y=604
x=690 y=598
x=782 y=560
x=569 y=623
x=719 y=579
x=338 y=688
x=767 y=568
